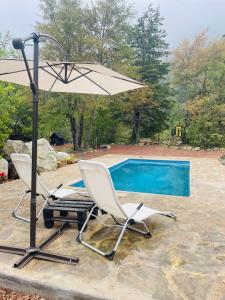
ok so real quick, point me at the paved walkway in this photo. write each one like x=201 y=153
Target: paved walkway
x=183 y=259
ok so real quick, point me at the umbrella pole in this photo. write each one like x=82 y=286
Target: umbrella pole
x=34 y=251
x=34 y=145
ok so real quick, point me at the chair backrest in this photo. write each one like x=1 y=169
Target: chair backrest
x=22 y=163
x=100 y=187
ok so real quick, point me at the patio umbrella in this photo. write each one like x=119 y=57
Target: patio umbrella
x=66 y=77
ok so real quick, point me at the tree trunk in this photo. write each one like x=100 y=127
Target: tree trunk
x=89 y=129
x=73 y=126
x=81 y=131
x=136 y=127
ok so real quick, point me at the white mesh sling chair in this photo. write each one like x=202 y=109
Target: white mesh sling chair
x=100 y=187
x=22 y=163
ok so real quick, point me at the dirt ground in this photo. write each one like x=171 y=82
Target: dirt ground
x=159 y=150
x=6 y=294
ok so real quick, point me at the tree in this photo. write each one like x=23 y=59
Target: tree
x=148 y=42
x=91 y=33
x=6 y=49
x=189 y=66
x=14 y=101
x=108 y=25
x=207 y=122
x=199 y=75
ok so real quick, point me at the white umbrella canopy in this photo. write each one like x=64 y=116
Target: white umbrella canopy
x=69 y=77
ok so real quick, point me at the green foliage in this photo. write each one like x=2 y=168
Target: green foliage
x=198 y=74
x=93 y=33
x=52 y=117
x=104 y=31
x=148 y=41
x=6 y=49
x=207 y=126
x=14 y=111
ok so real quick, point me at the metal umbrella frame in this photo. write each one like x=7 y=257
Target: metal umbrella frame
x=62 y=73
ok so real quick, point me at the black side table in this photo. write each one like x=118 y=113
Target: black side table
x=59 y=210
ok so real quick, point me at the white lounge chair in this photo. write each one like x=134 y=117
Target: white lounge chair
x=22 y=163
x=100 y=187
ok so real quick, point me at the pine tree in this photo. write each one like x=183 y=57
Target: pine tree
x=149 y=41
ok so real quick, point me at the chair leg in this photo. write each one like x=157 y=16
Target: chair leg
x=17 y=216
x=14 y=213
x=109 y=255
x=43 y=206
x=146 y=233
x=169 y=215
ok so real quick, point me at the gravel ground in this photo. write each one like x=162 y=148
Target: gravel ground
x=6 y=294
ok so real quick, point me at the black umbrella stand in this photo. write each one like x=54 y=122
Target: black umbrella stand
x=34 y=251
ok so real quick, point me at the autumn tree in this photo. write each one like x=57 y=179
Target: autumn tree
x=198 y=71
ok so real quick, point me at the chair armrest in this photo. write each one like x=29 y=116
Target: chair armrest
x=136 y=210
x=139 y=206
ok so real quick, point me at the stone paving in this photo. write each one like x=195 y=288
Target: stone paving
x=183 y=259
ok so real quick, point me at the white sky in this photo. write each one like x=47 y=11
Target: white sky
x=182 y=18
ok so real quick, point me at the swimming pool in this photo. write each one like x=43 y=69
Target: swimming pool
x=166 y=177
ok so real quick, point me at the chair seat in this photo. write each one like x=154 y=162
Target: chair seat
x=61 y=193
x=142 y=214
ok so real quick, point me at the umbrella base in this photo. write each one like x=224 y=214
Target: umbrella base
x=30 y=253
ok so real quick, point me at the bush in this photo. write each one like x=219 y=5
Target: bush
x=207 y=123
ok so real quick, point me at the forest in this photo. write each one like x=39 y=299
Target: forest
x=183 y=86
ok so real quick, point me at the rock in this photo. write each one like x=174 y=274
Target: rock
x=187 y=148
x=62 y=156
x=196 y=148
x=222 y=159
x=12 y=171
x=106 y=147
x=47 y=158
x=4 y=166
x=14 y=146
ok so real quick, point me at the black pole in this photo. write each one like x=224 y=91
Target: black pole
x=35 y=251
x=20 y=45
x=34 y=144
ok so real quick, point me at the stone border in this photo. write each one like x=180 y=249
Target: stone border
x=50 y=292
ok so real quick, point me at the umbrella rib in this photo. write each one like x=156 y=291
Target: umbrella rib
x=56 y=79
x=14 y=72
x=93 y=81
x=70 y=71
x=57 y=74
x=24 y=70
x=117 y=77
x=82 y=75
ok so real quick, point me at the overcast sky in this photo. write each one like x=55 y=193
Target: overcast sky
x=182 y=18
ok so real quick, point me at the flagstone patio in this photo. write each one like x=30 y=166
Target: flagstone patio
x=182 y=260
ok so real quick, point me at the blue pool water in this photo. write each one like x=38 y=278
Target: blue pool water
x=165 y=177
